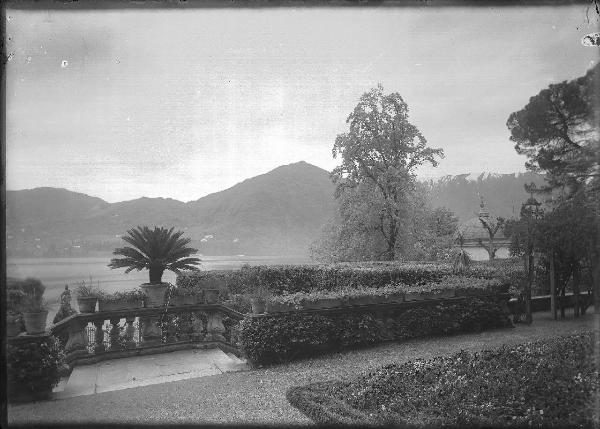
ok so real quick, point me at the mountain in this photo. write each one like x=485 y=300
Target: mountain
x=502 y=193
x=280 y=212
x=277 y=213
x=36 y=206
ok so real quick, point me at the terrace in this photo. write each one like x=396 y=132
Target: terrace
x=258 y=396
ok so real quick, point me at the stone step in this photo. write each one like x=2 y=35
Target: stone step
x=237 y=363
x=234 y=358
x=226 y=363
x=126 y=373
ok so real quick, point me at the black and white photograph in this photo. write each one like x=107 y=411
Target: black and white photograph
x=290 y=213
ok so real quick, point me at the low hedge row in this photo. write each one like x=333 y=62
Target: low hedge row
x=282 y=279
x=288 y=336
x=549 y=383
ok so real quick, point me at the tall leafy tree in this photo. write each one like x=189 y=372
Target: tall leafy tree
x=559 y=130
x=353 y=234
x=156 y=250
x=382 y=148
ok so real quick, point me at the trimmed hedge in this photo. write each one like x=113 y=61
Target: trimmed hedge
x=463 y=286
x=288 y=336
x=288 y=279
x=548 y=383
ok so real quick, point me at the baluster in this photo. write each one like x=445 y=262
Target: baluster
x=99 y=336
x=90 y=337
x=137 y=334
x=129 y=332
x=115 y=334
x=197 y=327
x=214 y=327
x=171 y=328
x=151 y=333
x=185 y=329
x=77 y=341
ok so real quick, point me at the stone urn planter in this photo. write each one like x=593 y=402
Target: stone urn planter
x=278 y=307
x=13 y=324
x=258 y=305
x=35 y=323
x=155 y=293
x=211 y=296
x=87 y=304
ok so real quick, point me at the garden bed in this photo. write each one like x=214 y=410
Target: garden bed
x=542 y=383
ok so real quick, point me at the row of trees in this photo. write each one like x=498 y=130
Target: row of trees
x=559 y=131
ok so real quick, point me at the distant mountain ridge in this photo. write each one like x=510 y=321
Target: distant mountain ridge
x=502 y=194
x=277 y=213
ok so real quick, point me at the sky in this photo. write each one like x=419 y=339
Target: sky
x=182 y=103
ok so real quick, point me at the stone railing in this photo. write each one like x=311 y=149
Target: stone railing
x=92 y=337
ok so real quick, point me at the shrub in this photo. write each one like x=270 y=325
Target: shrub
x=461 y=262
x=548 y=383
x=287 y=336
x=196 y=282
x=33 y=367
x=26 y=296
x=239 y=302
x=14 y=297
x=134 y=295
x=88 y=290
x=510 y=271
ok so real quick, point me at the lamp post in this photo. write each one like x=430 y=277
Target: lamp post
x=531 y=209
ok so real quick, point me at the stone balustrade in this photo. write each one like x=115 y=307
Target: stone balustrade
x=91 y=337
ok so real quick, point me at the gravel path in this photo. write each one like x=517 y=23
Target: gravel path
x=258 y=396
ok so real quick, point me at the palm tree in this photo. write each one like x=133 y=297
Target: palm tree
x=157 y=250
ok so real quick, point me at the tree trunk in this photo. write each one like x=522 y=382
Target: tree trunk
x=528 y=317
x=391 y=242
x=576 y=282
x=596 y=285
x=156 y=272
x=491 y=250
x=552 y=287
x=562 y=301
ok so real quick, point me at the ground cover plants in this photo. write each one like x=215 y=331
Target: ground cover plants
x=287 y=336
x=549 y=383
